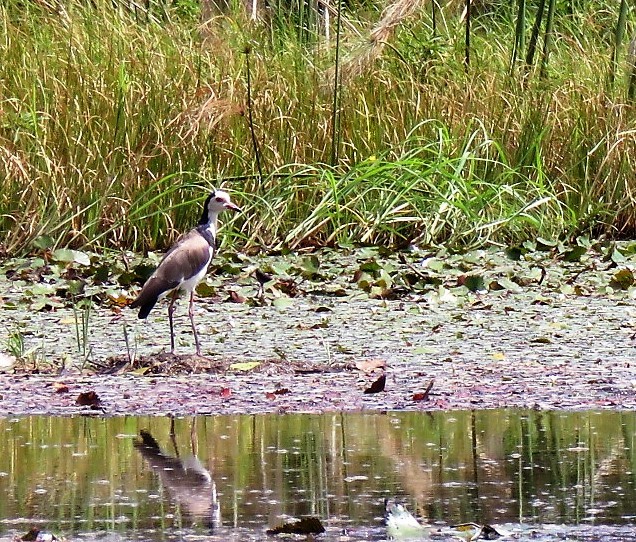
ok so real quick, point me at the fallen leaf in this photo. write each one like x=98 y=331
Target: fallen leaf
x=281 y=391
x=60 y=387
x=377 y=386
x=88 y=398
x=141 y=371
x=118 y=299
x=424 y=395
x=225 y=392
x=235 y=297
x=370 y=365
x=245 y=365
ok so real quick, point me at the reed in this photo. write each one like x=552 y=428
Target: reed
x=112 y=123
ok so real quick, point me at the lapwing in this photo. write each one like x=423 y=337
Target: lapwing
x=185 y=264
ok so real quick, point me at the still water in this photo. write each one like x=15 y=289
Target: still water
x=232 y=477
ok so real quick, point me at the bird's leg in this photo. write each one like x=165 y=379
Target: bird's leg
x=170 y=313
x=194 y=329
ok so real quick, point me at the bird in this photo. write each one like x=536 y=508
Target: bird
x=185 y=264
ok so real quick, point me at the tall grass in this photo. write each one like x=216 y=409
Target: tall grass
x=112 y=123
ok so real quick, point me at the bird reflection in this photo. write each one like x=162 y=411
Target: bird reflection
x=187 y=481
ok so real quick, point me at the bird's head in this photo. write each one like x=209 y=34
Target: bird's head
x=215 y=203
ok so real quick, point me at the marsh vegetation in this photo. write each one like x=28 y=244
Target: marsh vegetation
x=403 y=124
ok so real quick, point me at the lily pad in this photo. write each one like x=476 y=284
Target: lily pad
x=282 y=303
x=67 y=255
x=622 y=279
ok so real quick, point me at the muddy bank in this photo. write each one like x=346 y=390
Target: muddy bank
x=548 y=351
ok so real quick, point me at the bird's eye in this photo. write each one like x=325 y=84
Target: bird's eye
x=220 y=200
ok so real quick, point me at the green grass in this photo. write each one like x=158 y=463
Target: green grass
x=113 y=123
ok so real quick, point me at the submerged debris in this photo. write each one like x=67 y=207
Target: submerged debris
x=400 y=523
x=307 y=526
x=36 y=535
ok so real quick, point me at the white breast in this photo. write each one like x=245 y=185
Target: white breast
x=191 y=283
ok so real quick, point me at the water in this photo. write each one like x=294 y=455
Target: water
x=232 y=477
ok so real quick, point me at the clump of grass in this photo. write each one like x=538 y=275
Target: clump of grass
x=113 y=123
x=412 y=193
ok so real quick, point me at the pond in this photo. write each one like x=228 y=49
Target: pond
x=548 y=474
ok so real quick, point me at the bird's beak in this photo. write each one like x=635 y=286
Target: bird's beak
x=229 y=205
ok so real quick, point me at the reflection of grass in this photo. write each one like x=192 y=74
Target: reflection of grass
x=448 y=463
x=112 y=123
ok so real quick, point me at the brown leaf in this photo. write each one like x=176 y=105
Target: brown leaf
x=119 y=300
x=281 y=391
x=60 y=387
x=270 y=395
x=424 y=395
x=235 y=297
x=88 y=398
x=288 y=287
x=225 y=392
x=377 y=386
x=371 y=365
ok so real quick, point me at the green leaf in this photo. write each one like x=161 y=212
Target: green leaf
x=282 y=303
x=474 y=283
x=434 y=264
x=41 y=288
x=67 y=255
x=280 y=267
x=545 y=244
x=504 y=284
x=75 y=287
x=574 y=254
x=310 y=266
x=43 y=242
x=515 y=253
x=370 y=266
x=205 y=290
x=421 y=350
x=622 y=279
x=617 y=256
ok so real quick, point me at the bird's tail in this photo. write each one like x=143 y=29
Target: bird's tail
x=145 y=308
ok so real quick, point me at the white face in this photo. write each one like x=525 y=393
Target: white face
x=221 y=201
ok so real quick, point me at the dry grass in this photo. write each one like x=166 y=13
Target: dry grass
x=110 y=126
